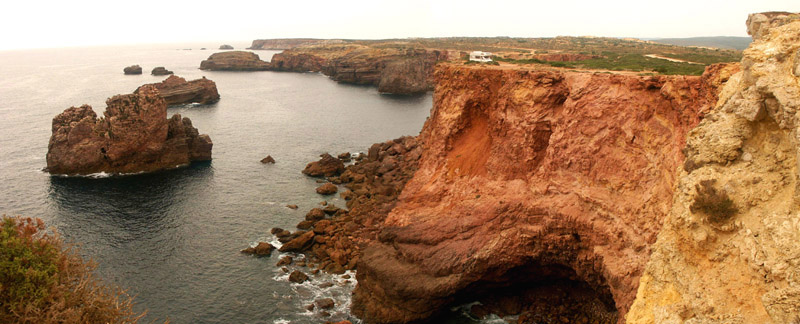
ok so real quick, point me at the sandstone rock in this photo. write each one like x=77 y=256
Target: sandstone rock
x=345 y=157
x=160 y=71
x=330 y=209
x=287 y=43
x=268 y=159
x=177 y=91
x=746 y=271
x=327 y=189
x=291 y=206
x=563 y=174
x=315 y=214
x=225 y=47
x=133 y=136
x=324 y=303
x=326 y=166
x=406 y=76
x=234 y=61
x=299 y=243
x=261 y=249
x=298 y=277
x=133 y=69
x=285 y=260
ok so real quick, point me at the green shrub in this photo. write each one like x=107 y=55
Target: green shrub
x=714 y=203
x=42 y=281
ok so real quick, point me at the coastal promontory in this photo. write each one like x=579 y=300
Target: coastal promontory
x=134 y=135
x=234 y=61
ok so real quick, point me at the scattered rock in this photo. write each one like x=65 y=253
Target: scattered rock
x=268 y=159
x=326 y=166
x=292 y=206
x=327 y=189
x=298 y=277
x=330 y=209
x=285 y=260
x=345 y=157
x=304 y=225
x=160 y=71
x=324 y=303
x=133 y=69
x=299 y=243
x=261 y=249
x=315 y=214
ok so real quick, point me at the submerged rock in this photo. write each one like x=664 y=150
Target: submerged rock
x=234 y=61
x=268 y=159
x=262 y=249
x=298 y=277
x=133 y=135
x=133 y=69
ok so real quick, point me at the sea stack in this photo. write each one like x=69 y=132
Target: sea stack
x=225 y=47
x=134 y=135
x=234 y=61
x=177 y=91
x=133 y=69
x=160 y=71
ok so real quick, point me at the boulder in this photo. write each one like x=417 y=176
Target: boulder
x=234 y=61
x=160 y=71
x=299 y=243
x=324 y=303
x=327 y=189
x=177 y=91
x=133 y=136
x=268 y=159
x=315 y=214
x=298 y=277
x=262 y=249
x=225 y=47
x=326 y=166
x=133 y=69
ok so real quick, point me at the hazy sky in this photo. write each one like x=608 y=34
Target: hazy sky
x=32 y=24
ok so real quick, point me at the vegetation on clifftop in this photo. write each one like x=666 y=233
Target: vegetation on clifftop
x=44 y=281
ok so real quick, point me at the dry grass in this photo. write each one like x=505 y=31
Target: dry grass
x=714 y=203
x=44 y=281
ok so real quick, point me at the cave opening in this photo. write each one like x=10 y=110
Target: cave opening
x=533 y=293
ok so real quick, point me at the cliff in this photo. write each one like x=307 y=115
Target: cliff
x=728 y=250
x=528 y=177
x=134 y=135
x=177 y=91
x=234 y=61
x=285 y=43
x=394 y=69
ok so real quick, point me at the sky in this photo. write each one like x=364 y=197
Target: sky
x=49 y=24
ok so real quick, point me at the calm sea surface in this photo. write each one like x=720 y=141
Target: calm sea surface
x=173 y=238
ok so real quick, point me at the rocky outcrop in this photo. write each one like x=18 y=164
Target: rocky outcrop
x=177 y=91
x=529 y=176
x=396 y=70
x=326 y=166
x=134 y=135
x=160 y=71
x=234 y=61
x=225 y=47
x=741 y=266
x=285 y=43
x=133 y=69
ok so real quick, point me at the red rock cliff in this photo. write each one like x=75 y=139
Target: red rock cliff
x=529 y=176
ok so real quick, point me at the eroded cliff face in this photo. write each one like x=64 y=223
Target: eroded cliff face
x=134 y=135
x=530 y=176
x=744 y=268
x=396 y=70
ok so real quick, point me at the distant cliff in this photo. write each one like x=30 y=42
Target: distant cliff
x=283 y=43
x=396 y=70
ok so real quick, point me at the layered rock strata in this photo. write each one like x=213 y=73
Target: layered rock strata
x=396 y=70
x=741 y=267
x=160 y=70
x=234 y=61
x=134 y=135
x=177 y=91
x=529 y=176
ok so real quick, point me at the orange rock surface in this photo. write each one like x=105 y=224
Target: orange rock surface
x=532 y=175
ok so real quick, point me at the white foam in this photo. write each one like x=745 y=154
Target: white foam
x=280 y=321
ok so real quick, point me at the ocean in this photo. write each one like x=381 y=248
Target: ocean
x=173 y=238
